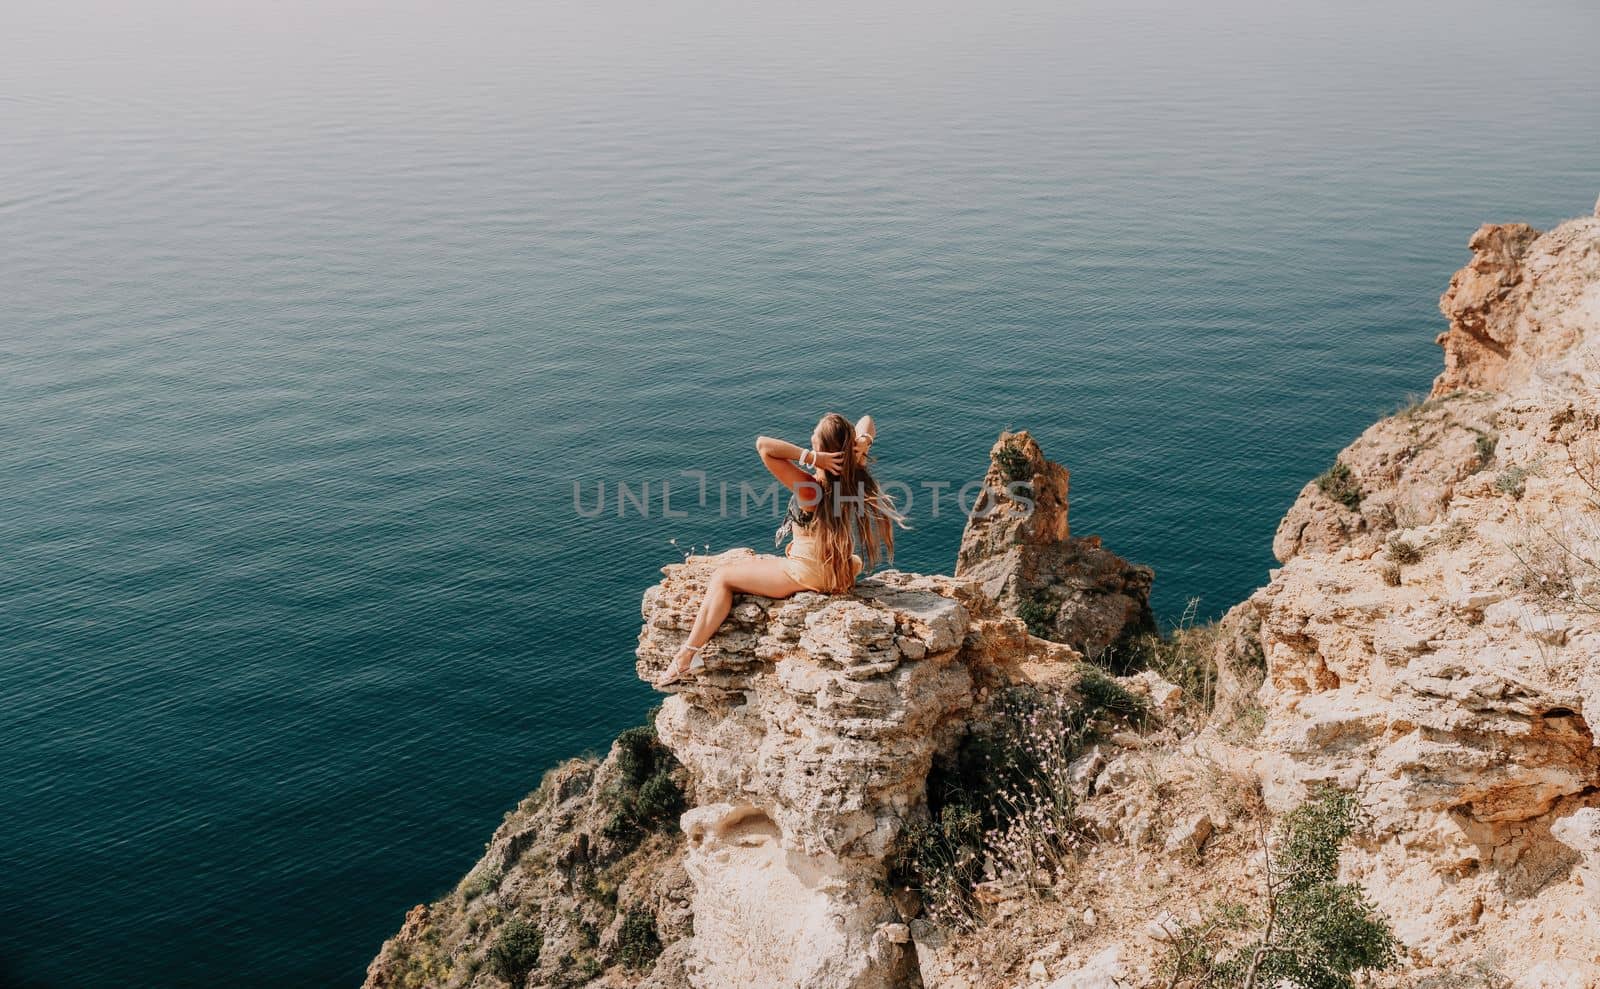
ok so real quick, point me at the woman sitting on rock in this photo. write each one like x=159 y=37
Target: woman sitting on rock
x=834 y=509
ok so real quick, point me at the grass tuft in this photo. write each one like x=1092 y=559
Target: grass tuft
x=1339 y=483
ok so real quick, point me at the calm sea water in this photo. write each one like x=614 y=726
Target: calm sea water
x=314 y=312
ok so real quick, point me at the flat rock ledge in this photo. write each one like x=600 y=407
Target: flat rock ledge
x=809 y=733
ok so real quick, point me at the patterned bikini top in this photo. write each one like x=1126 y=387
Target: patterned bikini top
x=795 y=518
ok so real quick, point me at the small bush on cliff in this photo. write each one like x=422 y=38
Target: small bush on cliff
x=1484 y=445
x=1185 y=656
x=1037 y=613
x=1013 y=462
x=481 y=883
x=637 y=749
x=1314 y=931
x=1456 y=533
x=646 y=795
x=638 y=944
x=1416 y=405
x=1512 y=481
x=1339 y=483
x=516 y=952
x=1036 y=805
x=575 y=969
x=1403 y=551
x=942 y=859
x=1101 y=693
x=1482 y=973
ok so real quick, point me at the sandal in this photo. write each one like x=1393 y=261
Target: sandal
x=673 y=673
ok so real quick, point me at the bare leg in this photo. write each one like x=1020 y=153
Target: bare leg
x=764 y=575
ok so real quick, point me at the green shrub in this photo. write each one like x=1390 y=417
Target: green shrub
x=577 y=969
x=1316 y=933
x=942 y=858
x=516 y=951
x=1038 y=614
x=1014 y=465
x=600 y=886
x=638 y=944
x=1391 y=574
x=1485 y=446
x=1185 y=656
x=637 y=753
x=1101 y=693
x=660 y=798
x=646 y=795
x=1339 y=483
x=1512 y=481
x=480 y=883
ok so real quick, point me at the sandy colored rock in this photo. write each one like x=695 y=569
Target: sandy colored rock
x=1580 y=831
x=809 y=735
x=1189 y=837
x=1458 y=702
x=1019 y=548
x=1103 y=971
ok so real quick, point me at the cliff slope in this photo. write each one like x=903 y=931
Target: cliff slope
x=1432 y=638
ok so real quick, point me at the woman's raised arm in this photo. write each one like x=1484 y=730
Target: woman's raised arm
x=866 y=432
x=779 y=456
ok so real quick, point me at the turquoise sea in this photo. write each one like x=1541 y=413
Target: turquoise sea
x=312 y=313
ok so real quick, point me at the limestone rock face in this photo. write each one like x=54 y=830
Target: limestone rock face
x=1483 y=303
x=1433 y=637
x=1402 y=473
x=1020 y=550
x=808 y=734
x=1525 y=301
x=1581 y=833
x=1520 y=316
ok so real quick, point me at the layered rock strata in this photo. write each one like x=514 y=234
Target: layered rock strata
x=1432 y=639
x=809 y=734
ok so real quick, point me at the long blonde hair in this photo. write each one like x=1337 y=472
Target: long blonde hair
x=852 y=512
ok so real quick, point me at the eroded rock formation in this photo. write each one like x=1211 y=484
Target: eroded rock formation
x=809 y=734
x=1020 y=550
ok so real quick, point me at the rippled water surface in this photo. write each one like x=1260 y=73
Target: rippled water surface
x=313 y=313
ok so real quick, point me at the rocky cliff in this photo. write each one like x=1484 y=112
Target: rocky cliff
x=1432 y=639
x=1430 y=646
x=810 y=734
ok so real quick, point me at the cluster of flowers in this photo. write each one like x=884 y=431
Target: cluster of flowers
x=1037 y=806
